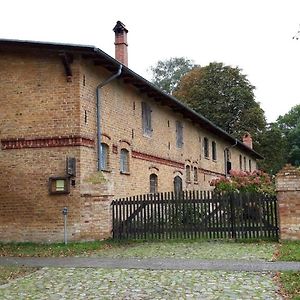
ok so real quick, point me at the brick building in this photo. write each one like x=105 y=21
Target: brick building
x=78 y=128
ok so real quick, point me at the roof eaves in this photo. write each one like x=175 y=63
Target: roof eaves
x=92 y=49
x=184 y=107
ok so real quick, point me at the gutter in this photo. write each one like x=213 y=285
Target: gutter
x=98 y=109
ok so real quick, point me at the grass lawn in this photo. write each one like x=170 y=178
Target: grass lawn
x=52 y=250
x=201 y=249
x=290 y=251
x=8 y=273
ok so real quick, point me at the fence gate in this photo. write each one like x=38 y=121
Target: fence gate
x=195 y=215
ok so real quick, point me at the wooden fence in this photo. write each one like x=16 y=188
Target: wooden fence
x=195 y=215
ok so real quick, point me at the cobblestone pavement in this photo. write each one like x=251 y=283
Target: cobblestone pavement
x=99 y=283
x=84 y=283
x=192 y=250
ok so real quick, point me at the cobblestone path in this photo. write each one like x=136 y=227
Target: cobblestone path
x=98 y=283
x=86 y=283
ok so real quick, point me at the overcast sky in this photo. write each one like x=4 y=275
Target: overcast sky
x=255 y=35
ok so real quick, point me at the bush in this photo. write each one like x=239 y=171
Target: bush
x=243 y=181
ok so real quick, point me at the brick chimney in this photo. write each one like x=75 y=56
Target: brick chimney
x=247 y=140
x=121 y=45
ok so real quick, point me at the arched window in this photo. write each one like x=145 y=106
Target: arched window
x=153 y=183
x=104 y=157
x=188 y=173
x=177 y=184
x=195 y=174
x=124 y=161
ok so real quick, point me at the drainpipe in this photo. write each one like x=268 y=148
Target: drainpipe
x=98 y=108
x=225 y=155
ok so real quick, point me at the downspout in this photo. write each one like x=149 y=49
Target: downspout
x=225 y=156
x=98 y=108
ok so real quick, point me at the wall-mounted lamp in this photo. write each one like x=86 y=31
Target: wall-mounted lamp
x=59 y=185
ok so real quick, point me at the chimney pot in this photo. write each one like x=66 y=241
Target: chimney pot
x=121 y=52
x=247 y=140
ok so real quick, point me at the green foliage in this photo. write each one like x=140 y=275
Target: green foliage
x=257 y=181
x=290 y=251
x=272 y=145
x=280 y=142
x=55 y=249
x=290 y=120
x=290 y=128
x=166 y=74
x=225 y=96
x=291 y=284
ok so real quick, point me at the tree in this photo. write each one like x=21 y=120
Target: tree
x=272 y=145
x=225 y=96
x=280 y=142
x=166 y=74
x=290 y=120
x=290 y=127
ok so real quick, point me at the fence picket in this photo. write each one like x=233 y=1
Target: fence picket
x=195 y=214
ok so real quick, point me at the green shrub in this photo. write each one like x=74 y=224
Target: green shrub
x=244 y=181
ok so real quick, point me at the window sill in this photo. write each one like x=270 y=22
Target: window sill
x=124 y=173
x=214 y=160
x=188 y=181
x=207 y=157
x=196 y=182
x=106 y=170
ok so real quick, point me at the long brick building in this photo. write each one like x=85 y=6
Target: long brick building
x=79 y=128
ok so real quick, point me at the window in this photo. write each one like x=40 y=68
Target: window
x=200 y=144
x=104 y=157
x=245 y=167
x=250 y=165
x=124 y=161
x=241 y=162
x=153 y=183
x=227 y=161
x=228 y=167
x=177 y=184
x=188 y=173
x=179 y=134
x=195 y=174
x=214 y=150
x=146 y=118
x=206 y=147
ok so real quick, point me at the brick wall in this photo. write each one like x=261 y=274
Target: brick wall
x=40 y=126
x=46 y=117
x=121 y=127
x=288 y=194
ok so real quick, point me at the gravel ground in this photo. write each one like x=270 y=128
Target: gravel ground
x=82 y=283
